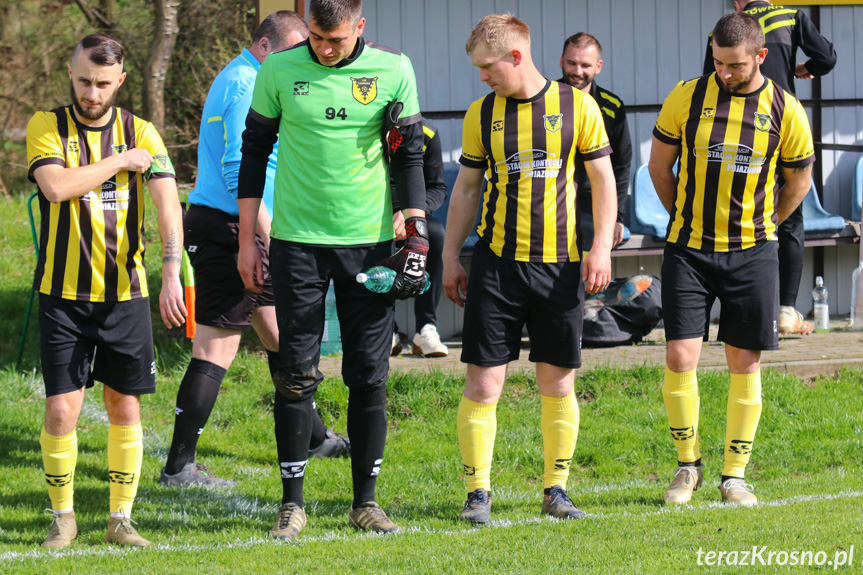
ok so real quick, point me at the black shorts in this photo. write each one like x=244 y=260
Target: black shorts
x=746 y=283
x=111 y=342
x=301 y=277
x=505 y=295
x=221 y=300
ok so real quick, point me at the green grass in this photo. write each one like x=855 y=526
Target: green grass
x=806 y=468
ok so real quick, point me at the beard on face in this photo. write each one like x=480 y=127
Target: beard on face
x=92 y=113
x=577 y=82
x=742 y=84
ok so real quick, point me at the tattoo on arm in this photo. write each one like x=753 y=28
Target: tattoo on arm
x=171 y=249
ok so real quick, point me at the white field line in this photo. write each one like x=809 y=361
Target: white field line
x=333 y=536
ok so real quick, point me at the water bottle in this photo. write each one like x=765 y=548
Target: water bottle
x=822 y=312
x=332 y=340
x=379 y=279
x=857 y=298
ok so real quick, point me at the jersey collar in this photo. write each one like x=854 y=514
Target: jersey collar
x=250 y=59
x=752 y=93
x=81 y=126
x=358 y=50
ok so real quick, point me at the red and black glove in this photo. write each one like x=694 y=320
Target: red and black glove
x=409 y=262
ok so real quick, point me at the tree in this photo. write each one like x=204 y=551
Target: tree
x=165 y=15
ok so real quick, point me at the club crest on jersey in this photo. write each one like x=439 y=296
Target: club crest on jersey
x=162 y=163
x=708 y=112
x=762 y=122
x=365 y=90
x=497 y=126
x=552 y=122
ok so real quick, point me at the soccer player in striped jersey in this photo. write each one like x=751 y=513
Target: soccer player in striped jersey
x=527 y=269
x=731 y=131
x=785 y=30
x=90 y=161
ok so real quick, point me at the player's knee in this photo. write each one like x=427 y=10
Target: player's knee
x=371 y=394
x=295 y=388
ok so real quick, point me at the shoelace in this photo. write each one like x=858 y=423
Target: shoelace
x=557 y=494
x=728 y=483
x=125 y=523
x=286 y=516
x=477 y=497
x=689 y=475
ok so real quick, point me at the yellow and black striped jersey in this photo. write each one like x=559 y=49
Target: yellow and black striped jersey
x=92 y=247
x=528 y=149
x=731 y=148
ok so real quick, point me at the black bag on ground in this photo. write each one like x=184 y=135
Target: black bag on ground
x=623 y=313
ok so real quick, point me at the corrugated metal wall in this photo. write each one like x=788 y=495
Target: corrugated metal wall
x=648 y=46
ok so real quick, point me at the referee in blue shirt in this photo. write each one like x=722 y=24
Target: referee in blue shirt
x=224 y=308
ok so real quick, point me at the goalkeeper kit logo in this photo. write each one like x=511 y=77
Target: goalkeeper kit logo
x=365 y=90
x=293 y=469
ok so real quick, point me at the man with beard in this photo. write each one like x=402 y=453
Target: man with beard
x=90 y=161
x=580 y=62
x=731 y=131
x=786 y=30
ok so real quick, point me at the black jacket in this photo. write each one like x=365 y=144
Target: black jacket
x=614 y=118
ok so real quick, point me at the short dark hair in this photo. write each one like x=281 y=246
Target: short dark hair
x=278 y=26
x=101 y=49
x=330 y=14
x=582 y=40
x=736 y=28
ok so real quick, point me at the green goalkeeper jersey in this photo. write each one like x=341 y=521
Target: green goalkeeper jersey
x=332 y=182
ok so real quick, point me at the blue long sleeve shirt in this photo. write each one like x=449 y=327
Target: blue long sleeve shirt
x=221 y=138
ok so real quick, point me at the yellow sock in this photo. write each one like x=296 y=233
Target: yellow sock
x=59 y=457
x=559 y=424
x=125 y=452
x=680 y=392
x=744 y=411
x=477 y=426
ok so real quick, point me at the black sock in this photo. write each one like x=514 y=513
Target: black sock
x=293 y=428
x=367 y=430
x=724 y=478
x=195 y=400
x=696 y=463
x=319 y=430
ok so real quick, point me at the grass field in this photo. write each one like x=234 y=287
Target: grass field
x=806 y=468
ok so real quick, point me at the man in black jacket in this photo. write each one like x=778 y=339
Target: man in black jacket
x=580 y=62
x=785 y=30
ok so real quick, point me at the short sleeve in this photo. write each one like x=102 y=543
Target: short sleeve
x=473 y=153
x=592 y=139
x=797 y=147
x=406 y=92
x=148 y=138
x=43 y=143
x=265 y=98
x=668 y=128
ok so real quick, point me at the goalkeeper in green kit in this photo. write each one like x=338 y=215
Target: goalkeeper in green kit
x=339 y=106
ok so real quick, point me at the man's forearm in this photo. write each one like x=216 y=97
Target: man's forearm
x=63 y=184
x=460 y=220
x=249 y=210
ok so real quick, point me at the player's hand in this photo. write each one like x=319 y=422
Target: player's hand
x=455 y=281
x=409 y=262
x=137 y=160
x=618 y=233
x=250 y=267
x=802 y=73
x=399 y=226
x=171 y=304
x=596 y=270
